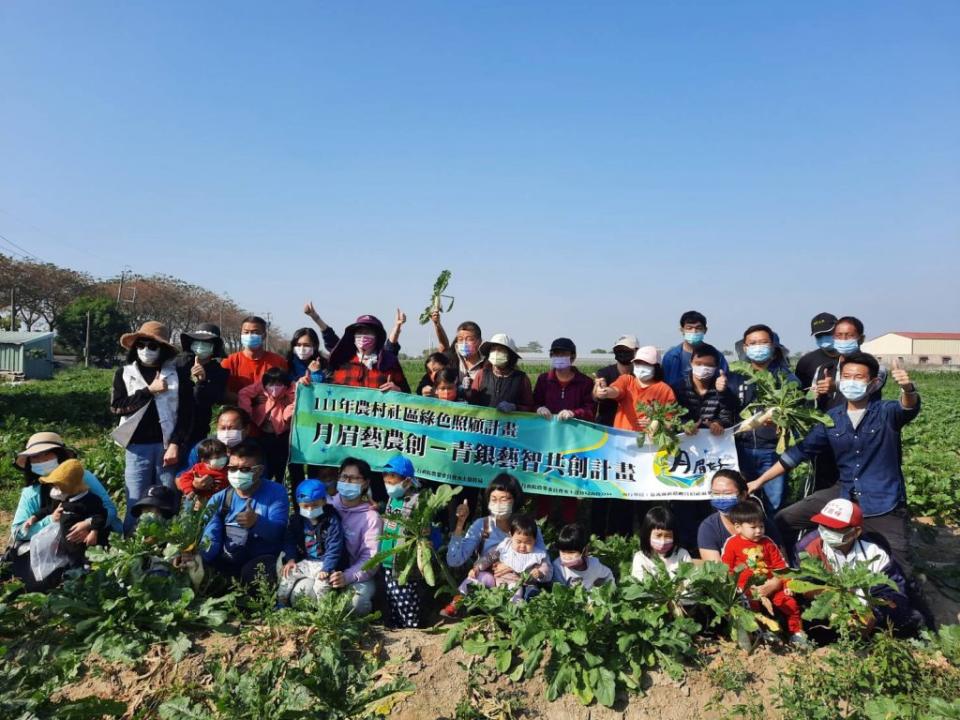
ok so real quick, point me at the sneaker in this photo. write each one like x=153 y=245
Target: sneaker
x=799 y=640
x=452 y=611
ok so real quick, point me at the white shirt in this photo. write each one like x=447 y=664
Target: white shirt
x=643 y=565
x=595 y=573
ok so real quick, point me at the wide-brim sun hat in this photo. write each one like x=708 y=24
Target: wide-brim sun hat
x=500 y=339
x=42 y=442
x=150 y=330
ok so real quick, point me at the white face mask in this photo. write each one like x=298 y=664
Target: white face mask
x=217 y=463
x=230 y=438
x=703 y=372
x=500 y=509
x=833 y=538
x=498 y=358
x=312 y=513
x=644 y=372
x=304 y=352
x=148 y=356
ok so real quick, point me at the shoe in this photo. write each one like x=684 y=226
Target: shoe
x=452 y=611
x=799 y=640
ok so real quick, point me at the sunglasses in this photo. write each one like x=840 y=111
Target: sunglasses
x=148 y=345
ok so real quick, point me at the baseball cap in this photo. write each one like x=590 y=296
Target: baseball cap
x=311 y=490
x=563 y=345
x=822 y=323
x=839 y=514
x=399 y=465
x=647 y=354
x=627 y=341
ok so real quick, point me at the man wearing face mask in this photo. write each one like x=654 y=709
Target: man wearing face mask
x=245 y=534
x=865 y=441
x=465 y=350
x=676 y=360
x=624 y=349
x=249 y=364
x=202 y=352
x=154 y=400
x=232 y=426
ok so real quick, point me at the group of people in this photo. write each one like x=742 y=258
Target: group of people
x=165 y=400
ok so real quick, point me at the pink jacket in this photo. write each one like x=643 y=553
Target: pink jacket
x=261 y=407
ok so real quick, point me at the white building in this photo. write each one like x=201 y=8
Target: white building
x=916 y=348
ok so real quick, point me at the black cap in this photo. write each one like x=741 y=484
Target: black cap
x=205 y=332
x=822 y=323
x=563 y=345
x=164 y=499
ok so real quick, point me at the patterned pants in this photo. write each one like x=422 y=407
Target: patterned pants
x=404 y=600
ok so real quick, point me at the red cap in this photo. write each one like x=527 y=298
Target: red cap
x=839 y=514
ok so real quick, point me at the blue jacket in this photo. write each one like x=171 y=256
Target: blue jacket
x=868 y=457
x=265 y=537
x=297 y=369
x=329 y=534
x=676 y=363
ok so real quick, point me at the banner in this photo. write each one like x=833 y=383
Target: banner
x=468 y=445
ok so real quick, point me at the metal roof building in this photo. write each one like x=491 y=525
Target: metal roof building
x=26 y=355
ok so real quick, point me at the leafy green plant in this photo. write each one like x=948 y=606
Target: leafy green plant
x=616 y=552
x=664 y=426
x=785 y=405
x=435 y=300
x=413 y=549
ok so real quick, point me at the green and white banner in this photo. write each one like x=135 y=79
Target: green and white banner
x=468 y=445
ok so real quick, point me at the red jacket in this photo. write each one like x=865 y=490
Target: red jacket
x=186 y=478
x=738 y=551
x=576 y=395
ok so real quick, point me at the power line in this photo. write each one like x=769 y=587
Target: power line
x=26 y=253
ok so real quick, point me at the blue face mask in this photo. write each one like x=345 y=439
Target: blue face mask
x=824 y=342
x=396 y=491
x=251 y=341
x=759 y=353
x=694 y=338
x=724 y=504
x=846 y=347
x=349 y=490
x=854 y=390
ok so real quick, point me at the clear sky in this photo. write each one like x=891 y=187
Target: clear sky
x=584 y=168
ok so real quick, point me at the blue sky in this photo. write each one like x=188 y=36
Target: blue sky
x=584 y=169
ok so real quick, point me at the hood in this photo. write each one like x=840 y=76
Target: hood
x=346 y=349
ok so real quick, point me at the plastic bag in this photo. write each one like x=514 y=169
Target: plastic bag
x=46 y=556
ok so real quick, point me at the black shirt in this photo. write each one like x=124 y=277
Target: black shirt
x=149 y=430
x=607 y=409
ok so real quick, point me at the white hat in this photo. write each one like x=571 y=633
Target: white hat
x=647 y=354
x=627 y=341
x=500 y=339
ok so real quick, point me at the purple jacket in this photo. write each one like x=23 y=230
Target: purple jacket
x=577 y=395
x=362 y=525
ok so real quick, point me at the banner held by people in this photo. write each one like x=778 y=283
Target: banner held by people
x=469 y=445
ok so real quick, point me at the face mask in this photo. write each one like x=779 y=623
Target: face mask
x=661 y=547
x=349 y=490
x=312 y=513
x=853 y=390
x=241 y=479
x=703 y=372
x=217 y=463
x=395 y=492
x=275 y=391
x=447 y=394
x=500 y=509
x=498 y=358
x=644 y=372
x=846 y=347
x=759 y=353
x=148 y=356
x=202 y=349
x=303 y=352
x=825 y=342
x=694 y=338
x=724 y=504
x=56 y=494
x=571 y=562
x=44 y=468
x=466 y=348
x=561 y=363
x=624 y=357
x=364 y=343
x=251 y=341
x=230 y=438
x=833 y=538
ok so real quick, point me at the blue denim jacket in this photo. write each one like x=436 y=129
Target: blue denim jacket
x=868 y=457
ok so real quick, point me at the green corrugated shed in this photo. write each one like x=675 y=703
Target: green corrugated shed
x=27 y=355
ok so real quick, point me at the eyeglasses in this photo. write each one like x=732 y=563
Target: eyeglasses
x=144 y=344
x=235 y=468
x=351 y=478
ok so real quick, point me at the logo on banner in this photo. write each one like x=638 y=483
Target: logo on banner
x=665 y=469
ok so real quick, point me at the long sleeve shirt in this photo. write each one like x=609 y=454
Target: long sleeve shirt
x=484 y=535
x=712 y=406
x=575 y=395
x=149 y=430
x=271 y=504
x=317 y=540
x=362 y=526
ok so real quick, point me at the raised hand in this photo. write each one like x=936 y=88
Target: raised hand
x=159 y=385
x=899 y=374
x=722 y=381
x=309 y=310
x=401 y=317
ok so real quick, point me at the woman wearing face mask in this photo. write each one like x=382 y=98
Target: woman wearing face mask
x=499 y=383
x=362 y=527
x=307 y=360
x=361 y=359
x=757 y=449
x=503 y=495
x=727 y=488
x=44 y=452
x=564 y=393
x=202 y=352
x=154 y=400
x=645 y=385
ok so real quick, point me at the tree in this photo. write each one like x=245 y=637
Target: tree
x=107 y=324
x=532 y=347
x=601 y=351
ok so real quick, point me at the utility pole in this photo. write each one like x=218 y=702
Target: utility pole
x=120 y=287
x=266 y=340
x=86 y=344
x=13 y=308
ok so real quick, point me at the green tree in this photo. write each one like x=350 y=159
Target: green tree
x=107 y=324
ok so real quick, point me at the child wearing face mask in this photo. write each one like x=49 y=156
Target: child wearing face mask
x=659 y=549
x=434 y=363
x=207 y=477
x=575 y=566
x=447 y=386
x=314 y=546
x=270 y=405
x=838 y=543
x=645 y=386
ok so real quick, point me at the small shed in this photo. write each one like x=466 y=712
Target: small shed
x=26 y=355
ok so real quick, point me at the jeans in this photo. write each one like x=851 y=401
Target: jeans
x=756 y=461
x=143 y=467
x=363 y=593
x=302 y=582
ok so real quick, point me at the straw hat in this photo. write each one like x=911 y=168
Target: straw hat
x=42 y=442
x=150 y=330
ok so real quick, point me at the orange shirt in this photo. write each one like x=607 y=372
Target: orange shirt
x=632 y=393
x=246 y=371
